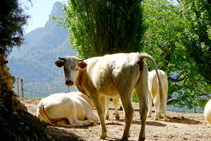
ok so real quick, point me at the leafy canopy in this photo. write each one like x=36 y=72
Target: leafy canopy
x=168 y=39
x=12 y=21
x=104 y=27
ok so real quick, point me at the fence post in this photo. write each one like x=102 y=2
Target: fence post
x=22 y=87
x=17 y=87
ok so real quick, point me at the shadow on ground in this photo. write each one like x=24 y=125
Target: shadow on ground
x=183 y=120
x=62 y=135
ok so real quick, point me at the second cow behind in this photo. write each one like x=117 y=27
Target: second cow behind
x=159 y=99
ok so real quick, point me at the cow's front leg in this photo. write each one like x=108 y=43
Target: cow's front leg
x=100 y=111
x=115 y=102
x=107 y=108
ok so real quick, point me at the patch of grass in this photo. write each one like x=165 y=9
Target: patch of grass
x=135 y=99
x=37 y=98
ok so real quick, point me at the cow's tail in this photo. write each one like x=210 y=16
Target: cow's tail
x=42 y=115
x=145 y=55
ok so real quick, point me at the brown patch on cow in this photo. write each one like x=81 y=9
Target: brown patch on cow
x=82 y=64
x=141 y=64
x=59 y=63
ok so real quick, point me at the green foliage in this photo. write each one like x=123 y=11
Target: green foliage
x=37 y=98
x=196 y=36
x=135 y=98
x=12 y=20
x=167 y=30
x=104 y=27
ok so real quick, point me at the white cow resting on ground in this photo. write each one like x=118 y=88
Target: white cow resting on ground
x=159 y=99
x=114 y=76
x=67 y=110
x=207 y=111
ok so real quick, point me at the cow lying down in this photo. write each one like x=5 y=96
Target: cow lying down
x=112 y=76
x=67 y=110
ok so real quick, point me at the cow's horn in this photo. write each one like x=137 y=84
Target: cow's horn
x=61 y=58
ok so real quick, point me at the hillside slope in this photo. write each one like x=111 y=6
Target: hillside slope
x=34 y=62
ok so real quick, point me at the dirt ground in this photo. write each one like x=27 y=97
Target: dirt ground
x=180 y=126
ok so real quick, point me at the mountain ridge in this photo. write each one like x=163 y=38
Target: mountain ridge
x=34 y=62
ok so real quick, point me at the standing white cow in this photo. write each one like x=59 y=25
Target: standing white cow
x=67 y=110
x=207 y=111
x=114 y=76
x=115 y=103
x=159 y=99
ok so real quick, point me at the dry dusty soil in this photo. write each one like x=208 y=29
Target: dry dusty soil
x=180 y=126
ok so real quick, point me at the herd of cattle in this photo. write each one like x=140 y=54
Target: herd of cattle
x=98 y=79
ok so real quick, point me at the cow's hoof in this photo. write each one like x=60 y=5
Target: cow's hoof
x=159 y=115
x=94 y=123
x=117 y=117
x=156 y=118
x=107 y=117
x=141 y=139
x=124 y=139
x=165 y=118
x=103 y=135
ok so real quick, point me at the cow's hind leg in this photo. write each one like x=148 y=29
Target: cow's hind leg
x=164 y=107
x=141 y=90
x=91 y=116
x=157 y=103
x=115 y=102
x=149 y=104
x=128 y=109
x=107 y=108
x=73 y=121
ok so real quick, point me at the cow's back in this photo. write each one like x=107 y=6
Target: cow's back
x=111 y=73
x=153 y=83
x=56 y=105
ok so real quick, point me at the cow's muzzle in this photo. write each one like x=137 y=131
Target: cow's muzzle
x=69 y=83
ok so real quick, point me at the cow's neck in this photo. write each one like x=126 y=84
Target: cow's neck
x=79 y=82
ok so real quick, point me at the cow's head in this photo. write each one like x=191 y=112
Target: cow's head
x=71 y=66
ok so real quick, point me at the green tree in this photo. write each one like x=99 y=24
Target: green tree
x=166 y=26
x=104 y=27
x=197 y=34
x=12 y=20
x=161 y=17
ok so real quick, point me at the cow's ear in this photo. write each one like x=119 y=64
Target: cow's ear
x=82 y=64
x=59 y=63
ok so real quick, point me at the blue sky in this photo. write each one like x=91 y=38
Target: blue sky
x=39 y=12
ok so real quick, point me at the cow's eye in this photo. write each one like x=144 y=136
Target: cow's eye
x=76 y=69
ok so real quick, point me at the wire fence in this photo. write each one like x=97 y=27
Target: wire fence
x=38 y=90
x=37 y=93
x=168 y=108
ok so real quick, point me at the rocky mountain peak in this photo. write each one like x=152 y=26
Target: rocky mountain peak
x=56 y=11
